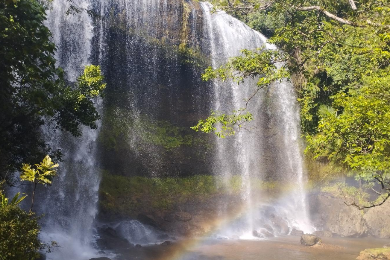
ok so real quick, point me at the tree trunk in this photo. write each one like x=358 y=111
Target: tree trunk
x=32 y=197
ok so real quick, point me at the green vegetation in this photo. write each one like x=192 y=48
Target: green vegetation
x=33 y=91
x=41 y=173
x=122 y=196
x=121 y=125
x=19 y=231
x=222 y=124
x=337 y=54
x=125 y=196
x=374 y=253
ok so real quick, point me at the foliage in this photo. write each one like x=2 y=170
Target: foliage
x=33 y=91
x=261 y=64
x=42 y=174
x=14 y=201
x=164 y=134
x=19 y=231
x=337 y=54
x=222 y=124
x=122 y=124
x=359 y=136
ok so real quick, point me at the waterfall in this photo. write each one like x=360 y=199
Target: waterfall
x=252 y=154
x=152 y=54
x=70 y=205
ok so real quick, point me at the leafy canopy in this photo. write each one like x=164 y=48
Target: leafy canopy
x=43 y=172
x=19 y=231
x=33 y=90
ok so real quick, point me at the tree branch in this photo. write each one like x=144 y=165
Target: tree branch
x=352 y=3
x=377 y=24
x=372 y=204
x=322 y=10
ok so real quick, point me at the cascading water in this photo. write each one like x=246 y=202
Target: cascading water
x=70 y=205
x=152 y=53
x=248 y=154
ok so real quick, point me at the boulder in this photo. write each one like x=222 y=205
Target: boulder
x=309 y=240
x=332 y=214
x=280 y=226
x=374 y=254
x=111 y=240
x=378 y=220
x=147 y=219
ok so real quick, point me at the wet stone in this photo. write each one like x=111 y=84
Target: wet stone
x=310 y=240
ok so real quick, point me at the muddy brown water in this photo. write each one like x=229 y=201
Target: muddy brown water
x=282 y=248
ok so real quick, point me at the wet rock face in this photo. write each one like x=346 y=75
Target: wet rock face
x=309 y=240
x=378 y=220
x=152 y=61
x=330 y=213
x=111 y=240
x=333 y=217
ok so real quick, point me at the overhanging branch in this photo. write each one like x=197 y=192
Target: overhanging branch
x=322 y=10
x=372 y=205
x=352 y=3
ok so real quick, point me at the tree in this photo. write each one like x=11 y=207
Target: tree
x=33 y=91
x=18 y=231
x=42 y=173
x=337 y=54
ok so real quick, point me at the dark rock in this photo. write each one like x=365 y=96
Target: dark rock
x=147 y=219
x=323 y=233
x=183 y=216
x=100 y=258
x=169 y=217
x=309 y=240
x=138 y=246
x=166 y=243
x=109 y=231
x=255 y=233
x=296 y=232
x=111 y=240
